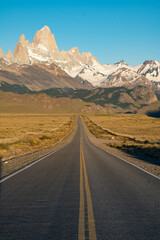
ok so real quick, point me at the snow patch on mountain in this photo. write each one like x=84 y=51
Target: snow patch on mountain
x=36 y=56
x=150 y=69
x=99 y=74
x=125 y=77
x=43 y=49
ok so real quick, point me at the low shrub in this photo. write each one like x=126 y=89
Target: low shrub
x=4 y=146
x=44 y=137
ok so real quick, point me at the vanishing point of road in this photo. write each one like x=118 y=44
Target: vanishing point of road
x=80 y=192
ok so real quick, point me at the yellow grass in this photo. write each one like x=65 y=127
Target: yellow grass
x=139 y=126
x=24 y=133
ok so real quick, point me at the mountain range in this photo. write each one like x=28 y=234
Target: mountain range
x=107 y=100
x=41 y=103
x=40 y=71
x=38 y=76
x=40 y=65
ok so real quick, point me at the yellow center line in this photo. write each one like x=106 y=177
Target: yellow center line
x=81 y=229
x=91 y=222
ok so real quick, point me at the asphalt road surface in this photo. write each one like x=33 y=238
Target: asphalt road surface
x=80 y=192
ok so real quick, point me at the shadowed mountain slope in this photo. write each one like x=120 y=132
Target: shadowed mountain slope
x=39 y=76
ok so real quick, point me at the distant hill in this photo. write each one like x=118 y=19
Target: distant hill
x=118 y=99
x=120 y=96
x=41 y=103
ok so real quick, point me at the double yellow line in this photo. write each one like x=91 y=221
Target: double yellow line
x=84 y=183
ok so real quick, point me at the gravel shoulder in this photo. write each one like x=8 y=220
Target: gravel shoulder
x=140 y=161
x=12 y=165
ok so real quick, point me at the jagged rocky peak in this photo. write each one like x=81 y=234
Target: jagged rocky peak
x=89 y=58
x=43 y=49
x=2 y=55
x=20 y=52
x=44 y=38
x=71 y=52
x=22 y=39
x=9 y=55
x=150 y=69
x=121 y=63
x=74 y=50
x=148 y=62
x=45 y=28
x=75 y=59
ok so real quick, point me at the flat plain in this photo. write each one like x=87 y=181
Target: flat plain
x=24 y=133
x=139 y=126
x=135 y=133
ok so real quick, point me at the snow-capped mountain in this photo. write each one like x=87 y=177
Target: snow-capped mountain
x=151 y=70
x=44 y=50
x=38 y=77
x=121 y=74
x=108 y=75
x=96 y=73
x=125 y=77
x=2 y=55
x=89 y=73
x=5 y=59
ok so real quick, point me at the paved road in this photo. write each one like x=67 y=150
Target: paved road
x=80 y=192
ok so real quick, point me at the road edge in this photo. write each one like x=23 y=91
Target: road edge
x=41 y=154
x=126 y=157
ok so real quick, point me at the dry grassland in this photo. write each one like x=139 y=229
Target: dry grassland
x=138 y=126
x=24 y=133
x=137 y=134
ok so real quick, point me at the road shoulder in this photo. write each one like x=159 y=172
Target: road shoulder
x=151 y=168
x=17 y=163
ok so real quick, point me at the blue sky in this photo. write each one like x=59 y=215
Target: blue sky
x=111 y=30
